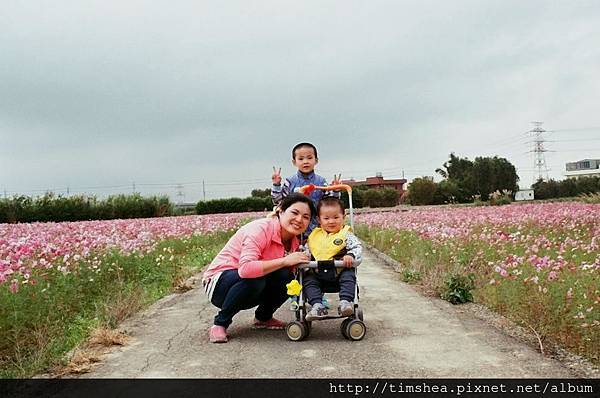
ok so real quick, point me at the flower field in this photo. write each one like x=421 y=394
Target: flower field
x=538 y=264
x=31 y=251
x=60 y=281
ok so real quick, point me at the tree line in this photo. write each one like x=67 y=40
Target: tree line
x=566 y=188
x=465 y=181
x=488 y=179
x=51 y=207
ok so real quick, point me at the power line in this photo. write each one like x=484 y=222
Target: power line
x=574 y=129
x=580 y=150
x=574 y=140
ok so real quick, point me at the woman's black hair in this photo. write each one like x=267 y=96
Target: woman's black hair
x=298 y=197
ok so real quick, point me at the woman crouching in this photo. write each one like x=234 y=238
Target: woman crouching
x=254 y=267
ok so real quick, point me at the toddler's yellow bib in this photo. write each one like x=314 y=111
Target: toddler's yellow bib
x=325 y=246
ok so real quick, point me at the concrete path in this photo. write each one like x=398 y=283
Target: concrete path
x=408 y=336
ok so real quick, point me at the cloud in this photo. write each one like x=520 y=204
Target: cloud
x=114 y=92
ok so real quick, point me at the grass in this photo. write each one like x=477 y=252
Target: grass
x=564 y=311
x=41 y=323
x=590 y=198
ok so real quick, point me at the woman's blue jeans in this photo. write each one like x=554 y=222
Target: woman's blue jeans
x=233 y=294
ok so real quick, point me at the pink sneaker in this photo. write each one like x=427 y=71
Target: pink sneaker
x=273 y=324
x=217 y=334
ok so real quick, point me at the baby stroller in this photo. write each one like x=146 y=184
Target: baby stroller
x=352 y=327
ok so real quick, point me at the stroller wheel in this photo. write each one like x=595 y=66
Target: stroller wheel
x=359 y=313
x=296 y=331
x=356 y=329
x=343 y=327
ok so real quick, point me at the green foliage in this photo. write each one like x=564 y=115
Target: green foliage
x=410 y=275
x=261 y=193
x=234 y=205
x=42 y=322
x=386 y=197
x=498 y=198
x=421 y=191
x=553 y=308
x=447 y=192
x=457 y=288
x=358 y=197
x=480 y=177
x=590 y=197
x=369 y=197
x=566 y=188
x=493 y=174
x=51 y=207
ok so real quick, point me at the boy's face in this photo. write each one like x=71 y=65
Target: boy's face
x=304 y=159
x=331 y=218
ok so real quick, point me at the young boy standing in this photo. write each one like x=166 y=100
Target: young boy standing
x=304 y=157
x=332 y=240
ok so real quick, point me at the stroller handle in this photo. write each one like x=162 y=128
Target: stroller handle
x=307 y=189
x=336 y=263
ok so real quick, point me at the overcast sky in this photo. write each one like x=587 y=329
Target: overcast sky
x=114 y=96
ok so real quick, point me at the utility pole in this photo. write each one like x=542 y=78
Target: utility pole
x=539 y=161
x=133 y=188
x=203 y=192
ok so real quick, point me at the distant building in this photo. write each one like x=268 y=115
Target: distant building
x=378 y=182
x=185 y=208
x=524 y=194
x=583 y=168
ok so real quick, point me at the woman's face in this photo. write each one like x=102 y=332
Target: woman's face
x=295 y=219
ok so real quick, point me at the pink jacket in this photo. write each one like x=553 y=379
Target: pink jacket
x=255 y=242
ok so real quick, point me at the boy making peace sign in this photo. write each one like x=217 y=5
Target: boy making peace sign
x=304 y=157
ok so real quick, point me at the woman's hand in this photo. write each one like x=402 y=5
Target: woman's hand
x=348 y=261
x=295 y=258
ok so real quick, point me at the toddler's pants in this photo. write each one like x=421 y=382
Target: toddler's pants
x=312 y=286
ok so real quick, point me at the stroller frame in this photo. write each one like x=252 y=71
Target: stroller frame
x=352 y=327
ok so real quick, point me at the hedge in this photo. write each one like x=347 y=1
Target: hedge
x=233 y=205
x=361 y=197
x=80 y=208
x=566 y=188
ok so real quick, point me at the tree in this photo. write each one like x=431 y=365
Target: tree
x=421 y=191
x=588 y=185
x=261 y=193
x=447 y=191
x=505 y=174
x=456 y=168
x=545 y=189
x=566 y=188
x=460 y=172
x=493 y=174
x=480 y=177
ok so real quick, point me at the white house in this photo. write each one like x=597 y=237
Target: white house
x=524 y=194
x=583 y=168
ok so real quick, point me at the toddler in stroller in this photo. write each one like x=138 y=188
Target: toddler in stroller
x=337 y=252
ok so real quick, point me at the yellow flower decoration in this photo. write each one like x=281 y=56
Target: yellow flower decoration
x=293 y=288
